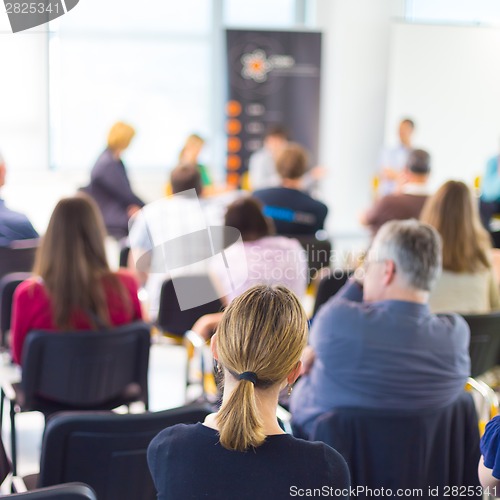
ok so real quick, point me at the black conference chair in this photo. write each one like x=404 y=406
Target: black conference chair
x=484 y=348
x=83 y=370
x=107 y=450
x=406 y=449
x=318 y=254
x=70 y=491
x=330 y=285
x=177 y=323
x=8 y=285
x=174 y=321
x=18 y=257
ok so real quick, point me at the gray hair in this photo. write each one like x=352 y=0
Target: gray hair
x=414 y=247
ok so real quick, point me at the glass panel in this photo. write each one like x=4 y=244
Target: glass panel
x=23 y=100
x=143 y=16
x=161 y=88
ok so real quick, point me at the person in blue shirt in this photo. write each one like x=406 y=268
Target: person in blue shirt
x=14 y=226
x=490 y=191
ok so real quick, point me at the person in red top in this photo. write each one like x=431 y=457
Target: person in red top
x=73 y=287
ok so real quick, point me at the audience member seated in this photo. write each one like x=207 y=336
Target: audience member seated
x=468 y=283
x=489 y=465
x=262 y=163
x=185 y=214
x=271 y=260
x=109 y=183
x=189 y=156
x=394 y=160
x=13 y=225
x=490 y=191
x=73 y=287
x=408 y=203
x=376 y=344
x=294 y=212
x=241 y=451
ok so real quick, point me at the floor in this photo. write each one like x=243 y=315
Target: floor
x=166 y=389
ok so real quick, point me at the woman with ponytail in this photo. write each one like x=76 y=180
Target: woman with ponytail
x=241 y=451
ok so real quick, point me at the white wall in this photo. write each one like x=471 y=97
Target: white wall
x=447 y=78
x=356 y=63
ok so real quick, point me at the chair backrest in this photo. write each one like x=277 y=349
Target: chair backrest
x=329 y=286
x=406 y=449
x=171 y=318
x=484 y=348
x=71 y=491
x=318 y=254
x=85 y=369
x=19 y=257
x=8 y=285
x=108 y=451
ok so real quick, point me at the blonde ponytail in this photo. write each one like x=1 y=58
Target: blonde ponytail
x=260 y=339
x=240 y=426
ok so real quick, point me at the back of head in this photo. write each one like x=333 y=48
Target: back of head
x=120 y=136
x=263 y=331
x=186 y=177
x=292 y=162
x=415 y=249
x=71 y=258
x=245 y=214
x=454 y=213
x=277 y=131
x=419 y=162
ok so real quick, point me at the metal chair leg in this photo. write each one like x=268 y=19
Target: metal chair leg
x=2 y=398
x=13 y=444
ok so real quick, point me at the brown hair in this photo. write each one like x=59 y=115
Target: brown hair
x=71 y=260
x=453 y=212
x=184 y=177
x=292 y=162
x=245 y=214
x=263 y=331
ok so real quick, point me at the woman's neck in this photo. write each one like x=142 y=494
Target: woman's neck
x=267 y=402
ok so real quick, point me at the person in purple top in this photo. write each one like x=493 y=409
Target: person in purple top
x=376 y=344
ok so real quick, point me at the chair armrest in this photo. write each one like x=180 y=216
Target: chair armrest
x=18 y=484
x=9 y=391
x=197 y=340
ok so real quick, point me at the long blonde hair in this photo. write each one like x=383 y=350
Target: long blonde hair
x=454 y=213
x=263 y=331
x=71 y=260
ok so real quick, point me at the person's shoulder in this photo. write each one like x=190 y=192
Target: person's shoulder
x=32 y=287
x=319 y=455
x=127 y=277
x=180 y=434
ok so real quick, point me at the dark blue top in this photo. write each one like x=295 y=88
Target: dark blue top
x=294 y=212
x=390 y=354
x=14 y=226
x=490 y=446
x=110 y=187
x=188 y=462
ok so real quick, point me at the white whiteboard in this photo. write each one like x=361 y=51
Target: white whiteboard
x=447 y=78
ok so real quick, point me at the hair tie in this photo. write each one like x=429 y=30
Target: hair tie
x=250 y=376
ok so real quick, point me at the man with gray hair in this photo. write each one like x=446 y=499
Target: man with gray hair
x=376 y=343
